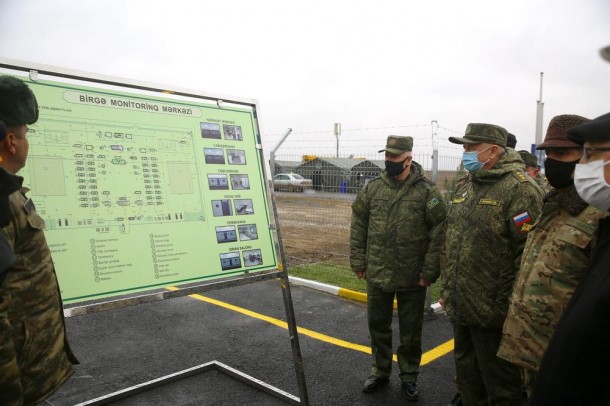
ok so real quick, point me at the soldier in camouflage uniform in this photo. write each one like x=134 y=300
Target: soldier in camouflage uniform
x=35 y=359
x=396 y=227
x=533 y=170
x=487 y=225
x=556 y=255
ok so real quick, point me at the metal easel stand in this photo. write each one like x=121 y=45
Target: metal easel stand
x=213 y=365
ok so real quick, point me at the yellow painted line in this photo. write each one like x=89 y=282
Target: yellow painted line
x=437 y=352
x=359 y=296
x=426 y=358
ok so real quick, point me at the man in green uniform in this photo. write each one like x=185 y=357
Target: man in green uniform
x=533 y=170
x=396 y=227
x=487 y=225
x=556 y=255
x=35 y=359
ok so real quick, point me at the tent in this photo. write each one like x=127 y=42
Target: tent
x=331 y=174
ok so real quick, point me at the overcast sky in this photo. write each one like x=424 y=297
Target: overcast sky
x=378 y=68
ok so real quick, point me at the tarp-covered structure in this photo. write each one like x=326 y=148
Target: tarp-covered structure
x=286 y=166
x=331 y=174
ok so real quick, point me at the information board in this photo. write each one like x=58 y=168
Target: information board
x=141 y=189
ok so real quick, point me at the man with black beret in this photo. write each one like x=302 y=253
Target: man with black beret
x=574 y=370
x=35 y=358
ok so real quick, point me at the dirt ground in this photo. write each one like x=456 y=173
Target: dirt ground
x=314 y=227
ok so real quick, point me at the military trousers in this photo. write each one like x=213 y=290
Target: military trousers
x=380 y=308
x=483 y=378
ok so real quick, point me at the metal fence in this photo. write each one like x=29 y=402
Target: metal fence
x=315 y=222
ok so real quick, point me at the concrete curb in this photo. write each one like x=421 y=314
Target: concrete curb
x=346 y=293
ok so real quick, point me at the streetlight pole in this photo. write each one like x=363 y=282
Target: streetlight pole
x=337 y=134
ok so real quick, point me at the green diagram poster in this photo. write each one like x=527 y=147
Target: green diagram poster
x=141 y=190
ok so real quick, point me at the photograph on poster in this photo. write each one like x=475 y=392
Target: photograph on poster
x=236 y=156
x=218 y=182
x=230 y=260
x=232 y=132
x=222 y=208
x=210 y=130
x=243 y=206
x=247 y=232
x=252 y=257
x=240 y=182
x=214 y=155
x=225 y=234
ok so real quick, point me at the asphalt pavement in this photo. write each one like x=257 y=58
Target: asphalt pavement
x=243 y=329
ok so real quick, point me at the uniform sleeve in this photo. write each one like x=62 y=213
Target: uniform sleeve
x=523 y=211
x=436 y=211
x=359 y=230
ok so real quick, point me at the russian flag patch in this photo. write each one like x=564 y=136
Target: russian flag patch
x=522 y=222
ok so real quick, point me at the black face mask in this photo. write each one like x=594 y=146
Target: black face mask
x=395 y=168
x=558 y=173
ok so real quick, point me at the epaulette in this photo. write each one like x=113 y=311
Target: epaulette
x=520 y=176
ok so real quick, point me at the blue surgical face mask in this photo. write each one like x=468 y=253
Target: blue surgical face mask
x=471 y=160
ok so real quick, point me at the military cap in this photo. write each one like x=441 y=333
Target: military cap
x=18 y=104
x=478 y=133
x=397 y=144
x=556 y=132
x=529 y=158
x=592 y=130
x=511 y=140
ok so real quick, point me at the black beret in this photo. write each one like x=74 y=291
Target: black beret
x=594 y=130
x=18 y=104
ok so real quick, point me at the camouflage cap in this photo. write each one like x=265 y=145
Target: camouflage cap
x=529 y=158
x=556 y=136
x=511 y=140
x=478 y=133
x=596 y=130
x=18 y=104
x=397 y=144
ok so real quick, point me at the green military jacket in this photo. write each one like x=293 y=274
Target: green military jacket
x=556 y=256
x=543 y=183
x=396 y=230
x=487 y=225
x=35 y=358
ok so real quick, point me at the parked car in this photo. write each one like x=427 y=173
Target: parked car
x=291 y=182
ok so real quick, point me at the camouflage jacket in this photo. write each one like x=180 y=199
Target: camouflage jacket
x=35 y=358
x=555 y=258
x=543 y=183
x=396 y=230
x=486 y=230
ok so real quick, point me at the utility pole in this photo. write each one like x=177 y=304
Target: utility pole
x=539 y=114
x=337 y=134
x=434 y=125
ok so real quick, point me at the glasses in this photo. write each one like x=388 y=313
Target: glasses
x=587 y=152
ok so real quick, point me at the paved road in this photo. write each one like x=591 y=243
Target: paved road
x=125 y=347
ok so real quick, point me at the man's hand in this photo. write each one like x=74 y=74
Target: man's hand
x=441 y=301
x=361 y=274
x=423 y=283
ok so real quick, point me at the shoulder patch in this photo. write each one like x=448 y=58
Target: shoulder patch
x=432 y=203
x=523 y=222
